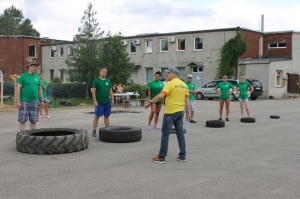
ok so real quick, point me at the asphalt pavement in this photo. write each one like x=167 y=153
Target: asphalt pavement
x=241 y=160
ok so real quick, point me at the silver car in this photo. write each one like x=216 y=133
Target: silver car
x=208 y=90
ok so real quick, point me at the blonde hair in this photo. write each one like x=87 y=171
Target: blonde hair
x=225 y=76
x=241 y=77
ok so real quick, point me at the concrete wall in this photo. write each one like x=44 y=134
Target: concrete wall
x=295 y=68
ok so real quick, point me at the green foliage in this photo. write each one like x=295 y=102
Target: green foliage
x=12 y=22
x=56 y=80
x=230 y=53
x=8 y=88
x=136 y=87
x=67 y=90
x=115 y=58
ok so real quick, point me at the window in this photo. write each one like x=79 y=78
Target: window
x=61 y=52
x=32 y=51
x=181 y=44
x=211 y=84
x=61 y=75
x=277 y=45
x=198 y=43
x=132 y=47
x=163 y=45
x=51 y=53
x=70 y=51
x=197 y=69
x=51 y=74
x=148 y=46
x=278 y=78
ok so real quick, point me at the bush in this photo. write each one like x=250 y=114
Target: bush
x=136 y=87
x=8 y=88
x=56 y=80
x=67 y=90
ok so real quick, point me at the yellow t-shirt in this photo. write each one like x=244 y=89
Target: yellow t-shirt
x=177 y=91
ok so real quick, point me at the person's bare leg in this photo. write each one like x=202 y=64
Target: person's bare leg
x=242 y=108
x=95 y=122
x=151 y=115
x=221 y=108
x=158 y=107
x=106 y=121
x=40 y=109
x=247 y=108
x=46 y=109
x=22 y=126
x=32 y=125
x=227 y=107
x=192 y=115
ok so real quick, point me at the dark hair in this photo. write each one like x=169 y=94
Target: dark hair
x=102 y=69
x=158 y=73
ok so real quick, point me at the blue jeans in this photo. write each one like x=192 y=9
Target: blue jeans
x=169 y=120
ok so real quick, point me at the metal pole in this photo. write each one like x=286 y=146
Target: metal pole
x=1 y=81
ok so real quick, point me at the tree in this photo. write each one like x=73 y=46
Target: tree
x=84 y=65
x=12 y=22
x=115 y=58
x=230 y=53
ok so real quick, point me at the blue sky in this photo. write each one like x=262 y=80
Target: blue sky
x=60 y=19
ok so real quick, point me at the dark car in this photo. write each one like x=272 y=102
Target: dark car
x=258 y=88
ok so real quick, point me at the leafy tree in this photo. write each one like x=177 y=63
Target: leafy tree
x=84 y=65
x=230 y=53
x=12 y=22
x=115 y=58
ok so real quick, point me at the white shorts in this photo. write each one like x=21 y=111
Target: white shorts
x=192 y=105
x=245 y=100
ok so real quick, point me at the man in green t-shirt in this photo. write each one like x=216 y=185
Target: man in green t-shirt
x=27 y=96
x=192 y=90
x=225 y=90
x=103 y=99
x=44 y=89
x=154 y=88
x=243 y=90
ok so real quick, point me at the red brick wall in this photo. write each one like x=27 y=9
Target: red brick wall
x=252 y=39
x=278 y=38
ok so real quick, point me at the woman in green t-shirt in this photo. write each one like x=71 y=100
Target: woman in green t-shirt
x=243 y=91
x=224 y=93
x=154 y=88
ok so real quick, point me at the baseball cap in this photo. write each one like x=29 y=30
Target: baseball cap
x=172 y=70
x=33 y=63
x=190 y=75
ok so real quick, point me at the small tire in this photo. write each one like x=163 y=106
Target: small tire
x=215 y=123
x=173 y=131
x=199 y=96
x=248 y=120
x=274 y=116
x=253 y=98
x=52 y=141
x=232 y=97
x=120 y=134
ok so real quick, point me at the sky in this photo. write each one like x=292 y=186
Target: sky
x=60 y=19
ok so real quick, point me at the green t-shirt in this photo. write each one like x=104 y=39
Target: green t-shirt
x=30 y=87
x=44 y=90
x=156 y=87
x=102 y=90
x=244 y=88
x=191 y=86
x=224 y=89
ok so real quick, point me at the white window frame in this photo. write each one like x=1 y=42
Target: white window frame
x=279 y=78
x=277 y=45
x=146 y=42
x=34 y=50
x=195 y=43
x=177 y=39
x=51 y=50
x=131 y=42
x=163 y=51
x=59 y=51
x=70 y=49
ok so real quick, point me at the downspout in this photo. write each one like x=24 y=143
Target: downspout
x=237 y=63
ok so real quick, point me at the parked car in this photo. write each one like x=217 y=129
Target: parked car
x=208 y=90
x=258 y=88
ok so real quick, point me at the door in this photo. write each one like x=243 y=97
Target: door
x=293 y=83
x=197 y=79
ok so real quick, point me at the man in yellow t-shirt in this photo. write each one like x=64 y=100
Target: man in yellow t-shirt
x=177 y=96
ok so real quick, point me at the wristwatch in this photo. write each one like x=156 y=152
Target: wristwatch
x=150 y=102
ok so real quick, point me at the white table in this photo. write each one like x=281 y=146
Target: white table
x=123 y=94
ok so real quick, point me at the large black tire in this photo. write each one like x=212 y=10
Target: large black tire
x=120 y=134
x=173 y=131
x=253 y=98
x=215 y=123
x=274 y=116
x=247 y=119
x=199 y=96
x=232 y=97
x=52 y=141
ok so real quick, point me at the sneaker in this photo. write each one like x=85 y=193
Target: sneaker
x=158 y=159
x=181 y=159
x=149 y=127
x=220 y=119
x=192 y=121
x=48 y=116
x=227 y=119
x=94 y=134
x=156 y=127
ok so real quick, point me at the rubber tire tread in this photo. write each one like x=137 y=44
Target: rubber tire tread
x=28 y=143
x=117 y=134
x=173 y=131
x=274 y=116
x=248 y=120
x=215 y=123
